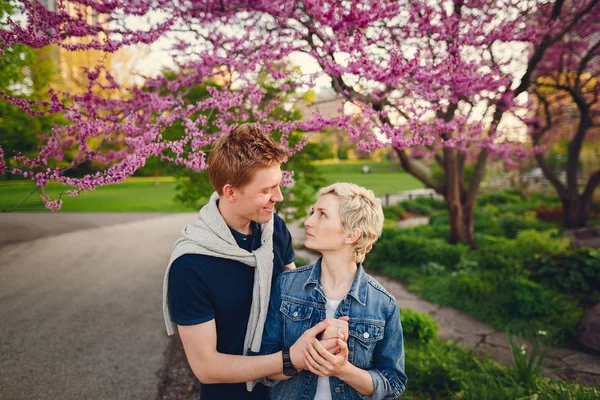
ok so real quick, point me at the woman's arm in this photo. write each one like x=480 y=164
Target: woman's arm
x=321 y=362
x=386 y=380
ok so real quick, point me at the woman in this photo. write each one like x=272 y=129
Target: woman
x=345 y=222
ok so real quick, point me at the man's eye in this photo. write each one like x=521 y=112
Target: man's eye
x=323 y=215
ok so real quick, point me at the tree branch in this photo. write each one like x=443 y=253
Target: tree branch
x=415 y=170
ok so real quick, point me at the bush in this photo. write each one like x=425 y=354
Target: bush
x=395 y=212
x=424 y=206
x=577 y=272
x=526 y=299
x=419 y=327
x=499 y=198
x=534 y=242
x=510 y=224
x=499 y=255
x=472 y=285
x=402 y=250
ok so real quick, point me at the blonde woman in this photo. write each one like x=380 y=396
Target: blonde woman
x=369 y=363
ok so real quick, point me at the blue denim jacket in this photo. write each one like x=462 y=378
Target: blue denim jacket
x=375 y=343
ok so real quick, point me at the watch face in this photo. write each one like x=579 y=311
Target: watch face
x=290 y=371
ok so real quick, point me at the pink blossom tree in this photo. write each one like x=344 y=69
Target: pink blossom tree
x=567 y=90
x=432 y=79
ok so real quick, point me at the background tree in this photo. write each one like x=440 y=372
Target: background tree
x=567 y=89
x=194 y=188
x=439 y=76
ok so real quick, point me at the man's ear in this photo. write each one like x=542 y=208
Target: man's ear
x=229 y=193
x=353 y=236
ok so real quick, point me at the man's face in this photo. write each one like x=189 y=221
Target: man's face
x=256 y=200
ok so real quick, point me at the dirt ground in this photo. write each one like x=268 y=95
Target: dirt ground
x=177 y=381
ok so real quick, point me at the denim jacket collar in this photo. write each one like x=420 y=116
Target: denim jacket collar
x=359 y=285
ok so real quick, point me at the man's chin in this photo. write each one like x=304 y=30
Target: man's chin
x=264 y=217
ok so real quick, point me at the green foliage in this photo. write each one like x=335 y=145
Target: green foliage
x=195 y=191
x=423 y=205
x=527 y=299
x=419 y=327
x=395 y=212
x=576 y=272
x=535 y=242
x=24 y=72
x=528 y=364
x=413 y=250
x=472 y=286
x=561 y=390
x=432 y=268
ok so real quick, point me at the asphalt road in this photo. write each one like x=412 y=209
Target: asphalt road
x=80 y=304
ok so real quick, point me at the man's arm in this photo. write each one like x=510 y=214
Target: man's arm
x=210 y=366
x=289 y=266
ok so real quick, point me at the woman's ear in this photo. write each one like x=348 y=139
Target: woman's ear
x=353 y=236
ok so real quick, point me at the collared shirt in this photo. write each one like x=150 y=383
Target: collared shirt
x=375 y=341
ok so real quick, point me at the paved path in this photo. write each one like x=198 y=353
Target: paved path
x=81 y=312
x=18 y=227
x=457 y=326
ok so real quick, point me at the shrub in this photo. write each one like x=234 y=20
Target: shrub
x=402 y=250
x=500 y=255
x=419 y=327
x=432 y=268
x=472 y=285
x=534 y=242
x=439 y=219
x=424 y=205
x=576 y=272
x=526 y=299
x=499 y=198
x=510 y=224
x=395 y=212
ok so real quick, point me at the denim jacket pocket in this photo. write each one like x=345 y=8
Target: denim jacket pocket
x=364 y=337
x=297 y=319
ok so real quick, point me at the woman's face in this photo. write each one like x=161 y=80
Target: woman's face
x=324 y=230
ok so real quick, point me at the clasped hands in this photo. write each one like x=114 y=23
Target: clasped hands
x=325 y=357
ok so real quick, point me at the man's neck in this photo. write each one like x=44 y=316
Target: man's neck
x=233 y=220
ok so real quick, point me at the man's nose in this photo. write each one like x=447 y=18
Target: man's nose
x=277 y=196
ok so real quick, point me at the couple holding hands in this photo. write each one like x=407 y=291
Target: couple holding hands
x=255 y=326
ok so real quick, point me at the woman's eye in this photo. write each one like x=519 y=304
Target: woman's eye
x=323 y=215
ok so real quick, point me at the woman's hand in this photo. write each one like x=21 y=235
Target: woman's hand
x=321 y=362
x=336 y=328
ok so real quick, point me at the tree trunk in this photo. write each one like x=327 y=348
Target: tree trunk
x=460 y=206
x=43 y=193
x=462 y=229
x=575 y=211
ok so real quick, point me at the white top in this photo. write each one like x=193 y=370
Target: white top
x=323 y=388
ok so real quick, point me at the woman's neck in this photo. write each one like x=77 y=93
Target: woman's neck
x=337 y=274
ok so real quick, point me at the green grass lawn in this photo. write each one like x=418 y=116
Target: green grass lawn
x=384 y=177
x=144 y=195
x=133 y=195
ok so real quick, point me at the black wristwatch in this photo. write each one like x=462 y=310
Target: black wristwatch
x=288 y=367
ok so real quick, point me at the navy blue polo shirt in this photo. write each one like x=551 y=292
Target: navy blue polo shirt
x=202 y=288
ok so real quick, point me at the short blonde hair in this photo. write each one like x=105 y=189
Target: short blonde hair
x=236 y=156
x=359 y=209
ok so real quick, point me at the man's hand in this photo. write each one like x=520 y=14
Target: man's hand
x=321 y=362
x=336 y=328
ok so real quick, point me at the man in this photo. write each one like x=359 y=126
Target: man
x=217 y=286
